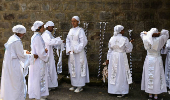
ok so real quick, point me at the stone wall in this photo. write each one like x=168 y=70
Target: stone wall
x=138 y=15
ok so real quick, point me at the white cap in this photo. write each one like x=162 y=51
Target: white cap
x=49 y=23
x=19 y=29
x=36 y=25
x=118 y=29
x=77 y=18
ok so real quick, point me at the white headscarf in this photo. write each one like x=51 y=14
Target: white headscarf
x=49 y=23
x=36 y=25
x=118 y=29
x=19 y=29
x=149 y=35
x=77 y=18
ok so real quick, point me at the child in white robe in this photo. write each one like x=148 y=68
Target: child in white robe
x=50 y=43
x=119 y=76
x=37 y=80
x=78 y=66
x=12 y=80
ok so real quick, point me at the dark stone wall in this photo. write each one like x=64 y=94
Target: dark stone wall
x=138 y=15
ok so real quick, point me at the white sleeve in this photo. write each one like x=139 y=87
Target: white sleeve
x=49 y=41
x=128 y=46
x=109 y=51
x=40 y=49
x=163 y=38
x=82 y=42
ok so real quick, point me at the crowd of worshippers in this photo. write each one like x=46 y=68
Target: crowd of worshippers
x=40 y=66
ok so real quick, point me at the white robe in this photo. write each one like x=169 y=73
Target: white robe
x=166 y=50
x=118 y=65
x=153 y=77
x=50 y=41
x=12 y=81
x=76 y=44
x=38 y=69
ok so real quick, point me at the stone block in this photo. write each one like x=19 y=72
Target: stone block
x=164 y=15
x=65 y=26
x=126 y=6
x=156 y=4
x=7 y=34
x=4 y=25
x=96 y=5
x=23 y=16
x=14 y=6
x=57 y=6
x=45 y=6
x=23 y=6
x=106 y=16
x=131 y=16
x=60 y=16
x=110 y=6
x=119 y=16
x=33 y=6
x=8 y=16
x=82 y=6
x=70 y=6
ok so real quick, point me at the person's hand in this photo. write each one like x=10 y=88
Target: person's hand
x=132 y=40
x=27 y=52
x=107 y=62
x=35 y=56
x=145 y=32
x=46 y=50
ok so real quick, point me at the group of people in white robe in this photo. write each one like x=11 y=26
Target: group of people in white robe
x=42 y=69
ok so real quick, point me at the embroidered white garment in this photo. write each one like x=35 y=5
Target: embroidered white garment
x=13 y=79
x=153 y=79
x=50 y=43
x=78 y=67
x=119 y=76
x=37 y=80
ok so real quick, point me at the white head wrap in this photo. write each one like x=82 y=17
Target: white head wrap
x=149 y=35
x=118 y=29
x=49 y=23
x=19 y=29
x=36 y=25
x=77 y=18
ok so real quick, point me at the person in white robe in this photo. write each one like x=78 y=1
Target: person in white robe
x=153 y=77
x=119 y=76
x=37 y=80
x=12 y=80
x=51 y=42
x=166 y=50
x=78 y=66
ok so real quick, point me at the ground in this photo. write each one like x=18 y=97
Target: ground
x=92 y=92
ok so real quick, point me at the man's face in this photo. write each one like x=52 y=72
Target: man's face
x=74 y=22
x=20 y=35
x=122 y=32
x=42 y=29
x=50 y=28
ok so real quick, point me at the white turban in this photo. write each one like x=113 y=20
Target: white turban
x=77 y=18
x=36 y=25
x=118 y=29
x=49 y=23
x=19 y=29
